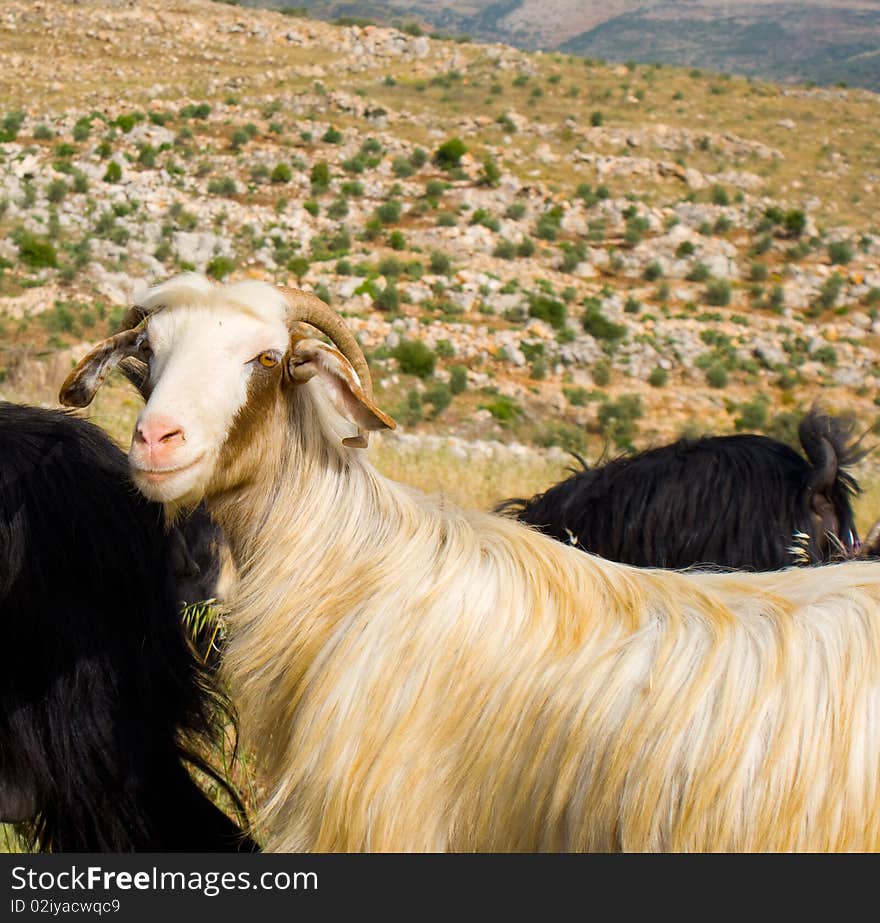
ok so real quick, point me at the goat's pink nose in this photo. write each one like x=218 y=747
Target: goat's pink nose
x=159 y=433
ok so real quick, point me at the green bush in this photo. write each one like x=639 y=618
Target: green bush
x=658 y=377
x=224 y=186
x=388 y=299
x=840 y=252
x=718 y=293
x=114 y=172
x=618 y=419
x=548 y=309
x=685 y=248
x=415 y=358
x=389 y=212
x=719 y=196
x=525 y=248
x=439 y=397
x=439 y=264
x=653 y=271
x=794 y=222
x=448 y=155
x=337 y=209
x=402 y=168
x=490 y=174
x=219 y=267
x=332 y=136
x=752 y=415
x=505 y=249
x=699 y=273
x=601 y=373
x=298 y=265
x=506 y=410
x=457 y=379
x=319 y=176
x=716 y=376
x=56 y=191
x=281 y=173
x=34 y=251
x=397 y=240
x=597 y=325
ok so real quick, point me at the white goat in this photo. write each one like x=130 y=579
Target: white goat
x=418 y=677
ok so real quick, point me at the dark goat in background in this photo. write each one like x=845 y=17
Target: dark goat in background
x=103 y=704
x=731 y=501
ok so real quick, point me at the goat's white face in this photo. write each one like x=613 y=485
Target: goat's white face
x=216 y=358
x=203 y=363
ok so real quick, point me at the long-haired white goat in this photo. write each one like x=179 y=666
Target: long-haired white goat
x=418 y=677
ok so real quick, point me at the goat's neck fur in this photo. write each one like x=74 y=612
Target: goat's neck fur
x=421 y=678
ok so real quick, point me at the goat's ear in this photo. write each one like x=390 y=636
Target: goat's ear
x=81 y=384
x=309 y=358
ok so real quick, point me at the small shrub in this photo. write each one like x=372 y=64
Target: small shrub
x=548 y=309
x=439 y=264
x=718 y=293
x=506 y=410
x=113 y=173
x=319 y=176
x=716 y=376
x=457 y=379
x=389 y=212
x=653 y=271
x=505 y=249
x=388 y=299
x=224 y=186
x=332 y=136
x=56 y=191
x=34 y=251
x=618 y=419
x=658 y=377
x=415 y=358
x=752 y=415
x=281 y=173
x=597 y=325
x=337 y=209
x=219 y=267
x=840 y=252
x=699 y=273
x=684 y=249
x=448 y=155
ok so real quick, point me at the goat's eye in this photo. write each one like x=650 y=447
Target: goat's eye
x=268 y=360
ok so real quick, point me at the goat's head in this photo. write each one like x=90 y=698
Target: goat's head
x=212 y=362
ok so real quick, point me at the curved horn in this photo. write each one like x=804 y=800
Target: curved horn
x=309 y=309
x=825 y=465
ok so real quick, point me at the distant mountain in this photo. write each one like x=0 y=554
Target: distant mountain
x=824 y=41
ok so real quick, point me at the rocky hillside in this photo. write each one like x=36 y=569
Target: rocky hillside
x=826 y=41
x=531 y=248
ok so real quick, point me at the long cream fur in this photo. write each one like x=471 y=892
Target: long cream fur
x=418 y=677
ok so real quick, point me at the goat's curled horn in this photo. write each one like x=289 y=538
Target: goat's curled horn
x=307 y=308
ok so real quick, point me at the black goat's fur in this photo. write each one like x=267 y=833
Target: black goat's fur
x=103 y=703
x=736 y=501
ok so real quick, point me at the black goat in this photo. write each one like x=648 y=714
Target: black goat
x=103 y=703
x=741 y=502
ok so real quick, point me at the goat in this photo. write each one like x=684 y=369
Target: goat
x=415 y=677
x=738 y=501
x=102 y=701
